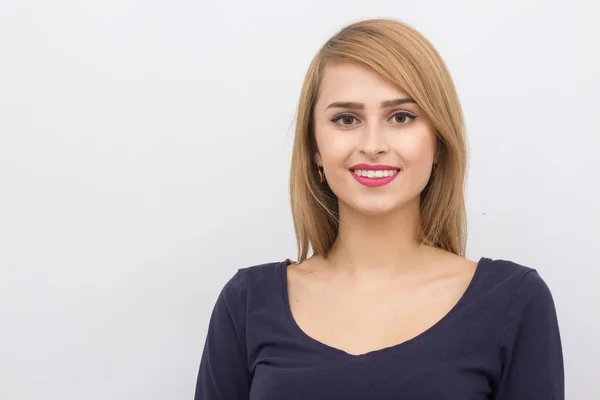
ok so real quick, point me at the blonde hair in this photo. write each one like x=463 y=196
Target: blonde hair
x=403 y=56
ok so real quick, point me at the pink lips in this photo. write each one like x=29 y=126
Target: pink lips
x=374 y=182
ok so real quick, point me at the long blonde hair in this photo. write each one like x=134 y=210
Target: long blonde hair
x=403 y=56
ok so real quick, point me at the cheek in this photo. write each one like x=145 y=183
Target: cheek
x=334 y=147
x=415 y=149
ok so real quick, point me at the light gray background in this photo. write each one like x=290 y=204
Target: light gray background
x=144 y=157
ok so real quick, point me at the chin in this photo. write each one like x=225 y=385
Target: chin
x=376 y=207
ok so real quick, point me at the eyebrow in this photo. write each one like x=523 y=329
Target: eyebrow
x=361 y=106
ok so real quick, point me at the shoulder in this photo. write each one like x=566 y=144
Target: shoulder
x=521 y=285
x=249 y=281
x=502 y=272
x=530 y=321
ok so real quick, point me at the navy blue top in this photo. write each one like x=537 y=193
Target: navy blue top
x=500 y=341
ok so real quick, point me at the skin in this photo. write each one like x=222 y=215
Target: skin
x=378 y=287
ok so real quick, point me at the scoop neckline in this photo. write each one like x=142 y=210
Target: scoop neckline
x=314 y=343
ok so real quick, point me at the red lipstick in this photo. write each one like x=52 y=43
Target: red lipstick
x=373 y=178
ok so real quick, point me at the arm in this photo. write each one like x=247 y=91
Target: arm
x=223 y=371
x=530 y=346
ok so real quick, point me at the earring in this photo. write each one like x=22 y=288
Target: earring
x=321 y=174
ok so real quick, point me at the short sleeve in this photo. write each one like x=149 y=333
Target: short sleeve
x=530 y=346
x=223 y=373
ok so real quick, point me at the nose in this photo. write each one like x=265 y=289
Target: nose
x=373 y=142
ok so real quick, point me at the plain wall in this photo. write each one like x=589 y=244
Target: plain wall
x=144 y=157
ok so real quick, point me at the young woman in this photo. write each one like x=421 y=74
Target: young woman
x=386 y=307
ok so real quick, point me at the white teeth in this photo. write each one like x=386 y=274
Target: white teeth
x=375 y=174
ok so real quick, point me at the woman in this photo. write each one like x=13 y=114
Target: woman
x=386 y=307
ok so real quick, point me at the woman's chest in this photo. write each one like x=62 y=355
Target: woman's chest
x=443 y=364
x=381 y=379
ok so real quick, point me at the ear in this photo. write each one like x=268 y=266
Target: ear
x=318 y=160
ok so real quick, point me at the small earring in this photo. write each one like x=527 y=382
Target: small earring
x=321 y=174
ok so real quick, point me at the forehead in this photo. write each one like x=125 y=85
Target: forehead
x=343 y=81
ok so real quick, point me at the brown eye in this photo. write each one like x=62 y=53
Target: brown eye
x=402 y=118
x=344 y=119
x=347 y=120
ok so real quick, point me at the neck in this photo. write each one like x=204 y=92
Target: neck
x=385 y=244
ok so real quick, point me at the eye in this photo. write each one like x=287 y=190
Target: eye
x=344 y=119
x=399 y=118
x=403 y=117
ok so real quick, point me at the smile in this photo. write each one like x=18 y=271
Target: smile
x=374 y=178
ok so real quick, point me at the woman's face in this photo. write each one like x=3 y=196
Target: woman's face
x=375 y=144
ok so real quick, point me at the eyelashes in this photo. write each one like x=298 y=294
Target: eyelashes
x=399 y=118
